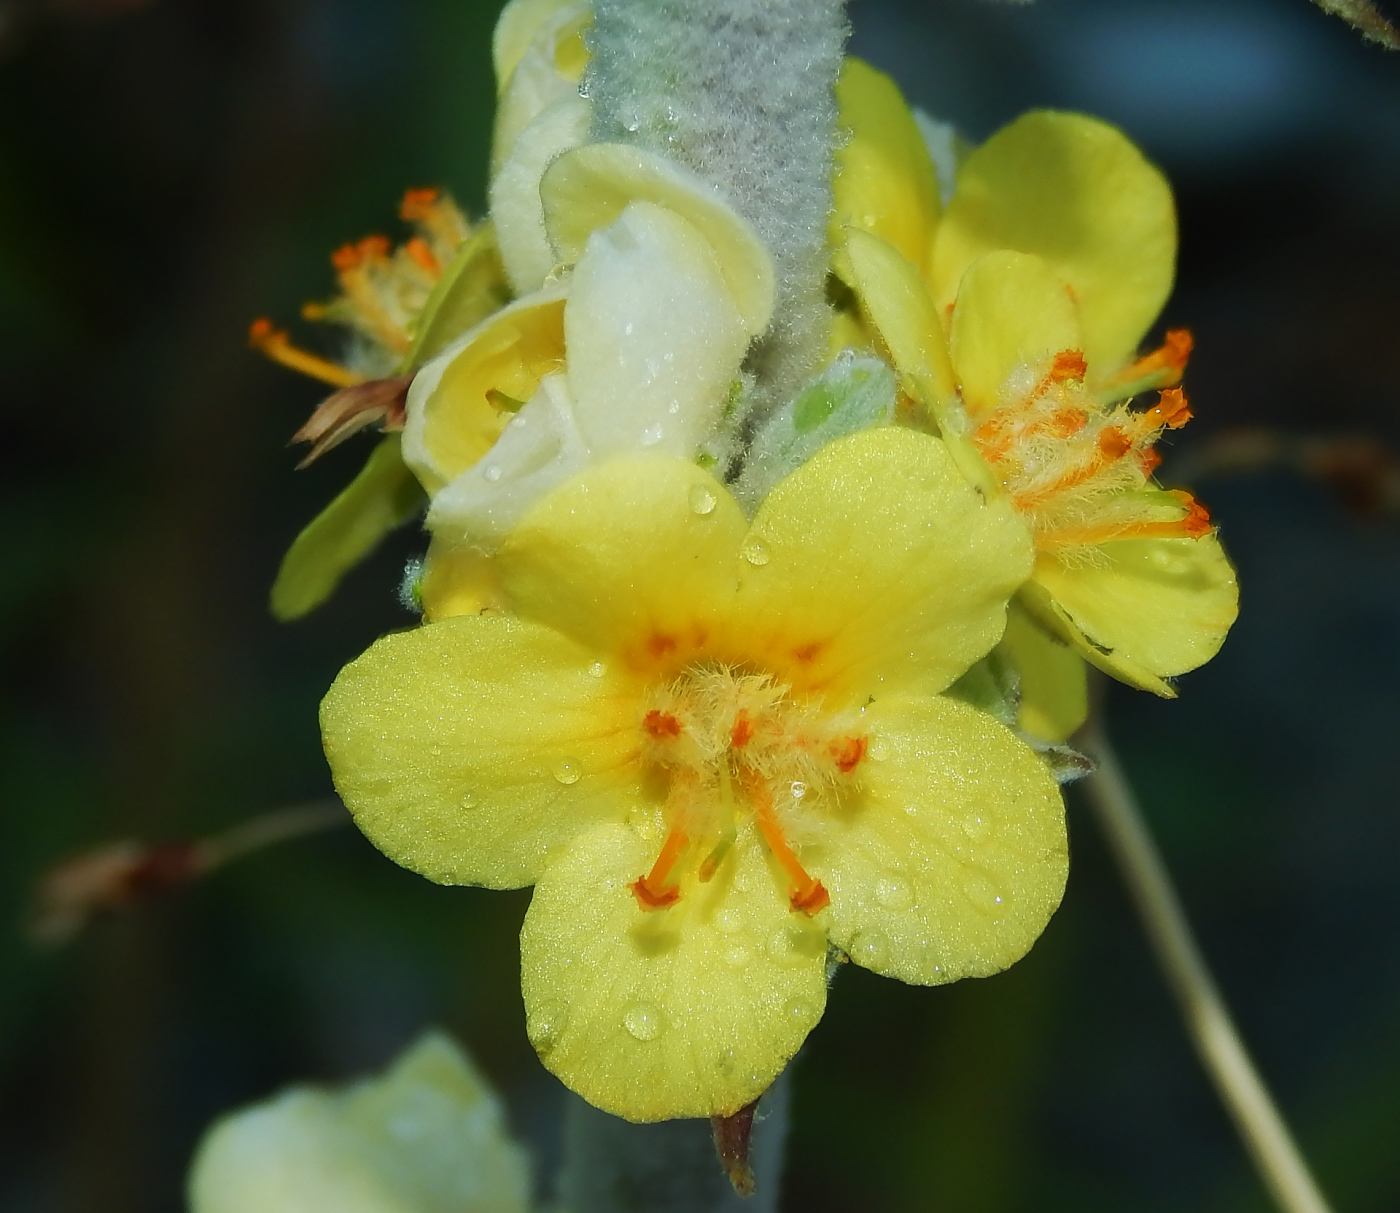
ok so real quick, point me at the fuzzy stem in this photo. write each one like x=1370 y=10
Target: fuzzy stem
x=742 y=93
x=1208 y=1020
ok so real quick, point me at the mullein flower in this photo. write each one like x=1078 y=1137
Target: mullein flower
x=425 y=1137
x=1014 y=318
x=715 y=748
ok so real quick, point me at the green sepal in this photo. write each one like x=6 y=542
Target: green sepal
x=380 y=499
x=470 y=289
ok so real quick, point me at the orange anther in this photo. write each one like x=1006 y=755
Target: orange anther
x=417 y=203
x=265 y=336
x=346 y=257
x=1149 y=460
x=661 y=724
x=1197 y=520
x=742 y=732
x=1068 y=365
x=811 y=900
x=848 y=752
x=807 y=893
x=652 y=891
x=1113 y=443
x=1067 y=422
x=261 y=331
x=418 y=249
x=1166 y=363
x=1171 y=409
x=659 y=900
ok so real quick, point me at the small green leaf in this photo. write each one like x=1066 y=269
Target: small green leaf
x=470 y=289
x=380 y=499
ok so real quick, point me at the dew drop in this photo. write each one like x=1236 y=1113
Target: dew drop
x=567 y=771
x=756 y=551
x=702 y=499
x=643 y=1020
x=878 y=749
x=674 y=407
x=799 y=789
x=738 y=956
x=798 y=1010
x=729 y=921
x=468 y=800
x=870 y=948
x=597 y=669
x=491 y=473
x=545 y=1024
x=894 y=893
x=652 y=435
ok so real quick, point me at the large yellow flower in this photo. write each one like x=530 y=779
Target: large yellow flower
x=1014 y=317
x=713 y=747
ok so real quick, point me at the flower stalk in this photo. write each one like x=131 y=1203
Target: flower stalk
x=1213 y=1032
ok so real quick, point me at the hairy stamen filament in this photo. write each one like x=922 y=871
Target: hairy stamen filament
x=273 y=342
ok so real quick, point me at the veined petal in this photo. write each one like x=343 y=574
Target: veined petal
x=653 y=335
x=1076 y=192
x=951 y=858
x=1147 y=610
x=1012 y=312
x=884 y=182
x=692 y=1011
x=589 y=187
x=894 y=296
x=1053 y=677
x=516 y=208
x=877 y=566
x=380 y=499
x=452 y=419
x=548 y=68
x=469 y=749
x=633 y=557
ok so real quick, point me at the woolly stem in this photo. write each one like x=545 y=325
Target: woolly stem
x=742 y=93
x=1208 y=1021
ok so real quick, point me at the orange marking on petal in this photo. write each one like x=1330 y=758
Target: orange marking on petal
x=807 y=652
x=661 y=724
x=660 y=644
x=848 y=753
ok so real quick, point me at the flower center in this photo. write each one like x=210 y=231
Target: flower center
x=731 y=743
x=1074 y=467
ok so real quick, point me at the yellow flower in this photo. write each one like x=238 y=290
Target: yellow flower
x=427 y=1135
x=713 y=747
x=1014 y=318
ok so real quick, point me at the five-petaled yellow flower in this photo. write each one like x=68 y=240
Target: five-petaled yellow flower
x=1014 y=316
x=714 y=746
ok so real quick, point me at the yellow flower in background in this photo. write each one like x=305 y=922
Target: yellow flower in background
x=713 y=747
x=1014 y=317
x=427 y=1136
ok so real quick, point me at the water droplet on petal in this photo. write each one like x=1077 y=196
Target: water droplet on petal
x=893 y=892
x=870 y=948
x=799 y=789
x=597 y=669
x=729 y=921
x=545 y=1024
x=738 y=956
x=652 y=435
x=756 y=551
x=702 y=499
x=491 y=473
x=567 y=770
x=799 y=1010
x=643 y=1020
x=468 y=800
x=878 y=749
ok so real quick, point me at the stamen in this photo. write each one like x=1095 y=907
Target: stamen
x=1166 y=363
x=807 y=894
x=1171 y=409
x=848 y=752
x=1194 y=524
x=652 y=891
x=418 y=249
x=1068 y=365
x=661 y=724
x=273 y=342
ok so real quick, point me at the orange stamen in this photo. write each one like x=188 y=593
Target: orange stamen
x=1068 y=365
x=273 y=342
x=1168 y=362
x=1149 y=460
x=1171 y=409
x=661 y=724
x=1067 y=422
x=1194 y=524
x=417 y=204
x=1113 y=443
x=807 y=894
x=742 y=732
x=848 y=752
x=652 y=891
x=418 y=249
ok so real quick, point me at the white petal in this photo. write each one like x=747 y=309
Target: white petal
x=653 y=335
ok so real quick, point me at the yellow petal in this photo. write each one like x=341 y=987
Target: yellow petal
x=316 y=1151
x=548 y=68
x=516 y=208
x=1012 y=312
x=1053 y=678
x=467 y=749
x=589 y=187
x=458 y=580
x=1150 y=609
x=691 y=1011
x=876 y=565
x=635 y=556
x=952 y=857
x=516 y=28
x=654 y=339
x=893 y=295
x=452 y=421
x=380 y=499
x=884 y=181
x=1076 y=192
x=471 y=287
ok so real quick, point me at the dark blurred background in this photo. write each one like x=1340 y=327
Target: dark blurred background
x=170 y=169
